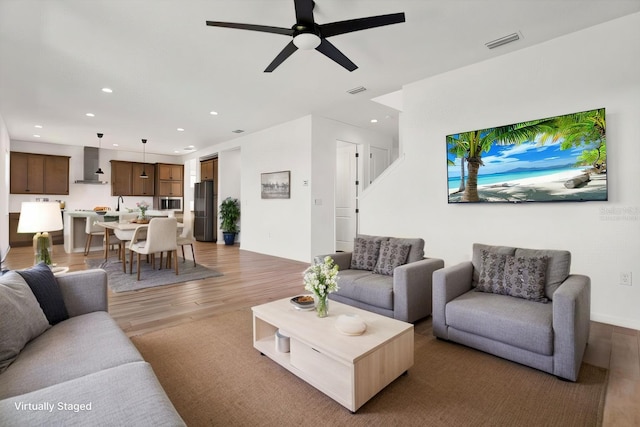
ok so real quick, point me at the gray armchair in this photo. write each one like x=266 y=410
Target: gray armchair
x=405 y=294
x=548 y=332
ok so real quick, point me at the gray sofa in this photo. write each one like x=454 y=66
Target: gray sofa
x=401 y=292
x=533 y=311
x=81 y=371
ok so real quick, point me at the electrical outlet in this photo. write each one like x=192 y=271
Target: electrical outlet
x=625 y=278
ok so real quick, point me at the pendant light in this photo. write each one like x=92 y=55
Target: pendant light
x=144 y=173
x=99 y=171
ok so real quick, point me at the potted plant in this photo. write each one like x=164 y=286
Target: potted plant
x=229 y=215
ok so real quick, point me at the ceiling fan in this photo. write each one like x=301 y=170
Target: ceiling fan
x=308 y=35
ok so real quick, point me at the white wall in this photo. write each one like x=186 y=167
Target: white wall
x=4 y=189
x=279 y=227
x=325 y=135
x=230 y=167
x=596 y=67
x=84 y=196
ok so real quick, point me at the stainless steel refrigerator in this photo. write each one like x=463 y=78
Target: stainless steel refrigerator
x=205 y=211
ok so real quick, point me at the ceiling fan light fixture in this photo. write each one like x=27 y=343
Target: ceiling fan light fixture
x=306 y=41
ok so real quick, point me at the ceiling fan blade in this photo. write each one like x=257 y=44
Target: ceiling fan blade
x=351 y=25
x=251 y=27
x=284 y=54
x=333 y=53
x=304 y=11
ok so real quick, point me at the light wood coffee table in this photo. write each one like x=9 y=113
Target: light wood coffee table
x=349 y=369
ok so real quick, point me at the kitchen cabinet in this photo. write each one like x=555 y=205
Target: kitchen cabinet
x=39 y=174
x=170 y=172
x=209 y=170
x=121 y=174
x=143 y=186
x=56 y=175
x=169 y=188
x=126 y=181
x=169 y=180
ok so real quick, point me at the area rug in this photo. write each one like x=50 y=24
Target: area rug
x=215 y=377
x=122 y=282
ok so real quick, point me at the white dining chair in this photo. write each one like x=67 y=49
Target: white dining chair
x=92 y=229
x=161 y=237
x=123 y=237
x=186 y=238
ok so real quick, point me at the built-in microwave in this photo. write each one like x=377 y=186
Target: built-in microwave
x=169 y=203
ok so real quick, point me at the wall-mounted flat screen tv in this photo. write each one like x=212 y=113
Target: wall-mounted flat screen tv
x=561 y=158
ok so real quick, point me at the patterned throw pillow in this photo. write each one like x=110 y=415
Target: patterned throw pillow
x=525 y=277
x=491 y=278
x=365 y=254
x=392 y=255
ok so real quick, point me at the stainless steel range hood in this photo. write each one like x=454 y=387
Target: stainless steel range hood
x=91 y=165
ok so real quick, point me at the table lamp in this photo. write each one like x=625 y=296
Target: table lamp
x=40 y=218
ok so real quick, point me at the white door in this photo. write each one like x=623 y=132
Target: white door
x=347 y=182
x=378 y=162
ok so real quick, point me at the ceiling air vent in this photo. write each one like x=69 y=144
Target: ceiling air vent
x=503 y=40
x=237 y=131
x=357 y=90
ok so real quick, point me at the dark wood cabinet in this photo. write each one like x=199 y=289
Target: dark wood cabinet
x=209 y=170
x=38 y=174
x=169 y=180
x=126 y=181
x=170 y=188
x=56 y=173
x=121 y=178
x=143 y=186
x=170 y=172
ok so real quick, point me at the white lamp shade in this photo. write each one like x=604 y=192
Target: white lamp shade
x=36 y=217
x=306 y=41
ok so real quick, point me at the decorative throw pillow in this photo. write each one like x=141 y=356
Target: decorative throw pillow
x=21 y=318
x=365 y=253
x=525 y=277
x=491 y=278
x=392 y=255
x=45 y=287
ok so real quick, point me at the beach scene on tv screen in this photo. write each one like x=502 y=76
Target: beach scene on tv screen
x=561 y=158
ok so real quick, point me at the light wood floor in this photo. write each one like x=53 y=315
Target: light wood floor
x=250 y=279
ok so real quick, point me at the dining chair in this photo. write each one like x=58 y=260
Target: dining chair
x=123 y=237
x=186 y=238
x=92 y=229
x=161 y=237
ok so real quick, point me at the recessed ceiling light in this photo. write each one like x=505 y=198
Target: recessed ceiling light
x=213 y=113
x=107 y=90
x=237 y=131
x=116 y=145
x=374 y=120
x=90 y=115
x=180 y=130
x=189 y=148
x=36 y=136
x=176 y=151
x=38 y=126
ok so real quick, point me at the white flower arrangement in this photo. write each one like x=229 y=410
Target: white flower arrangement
x=321 y=279
x=143 y=206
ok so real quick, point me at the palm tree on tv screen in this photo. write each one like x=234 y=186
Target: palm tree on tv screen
x=575 y=130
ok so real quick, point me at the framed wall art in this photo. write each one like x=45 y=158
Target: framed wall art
x=276 y=185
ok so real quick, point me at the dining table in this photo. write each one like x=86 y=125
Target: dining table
x=124 y=231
